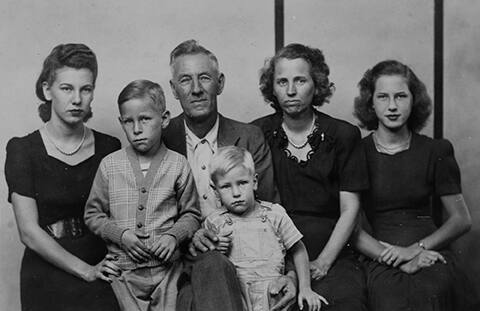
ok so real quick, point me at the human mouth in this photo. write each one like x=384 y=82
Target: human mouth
x=393 y=117
x=238 y=203
x=75 y=111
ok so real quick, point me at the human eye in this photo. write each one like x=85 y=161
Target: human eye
x=184 y=80
x=402 y=95
x=127 y=121
x=205 y=78
x=66 y=88
x=301 y=81
x=145 y=119
x=282 y=82
x=87 y=89
x=381 y=96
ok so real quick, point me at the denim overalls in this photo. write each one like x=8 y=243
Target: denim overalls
x=258 y=253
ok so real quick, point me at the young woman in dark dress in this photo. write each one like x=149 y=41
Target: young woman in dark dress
x=410 y=268
x=49 y=174
x=317 y=182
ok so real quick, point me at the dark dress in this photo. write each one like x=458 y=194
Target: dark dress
x=398 y=208
x=309 y=191
x=60 y=191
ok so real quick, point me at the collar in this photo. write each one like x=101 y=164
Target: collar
x=211 y=136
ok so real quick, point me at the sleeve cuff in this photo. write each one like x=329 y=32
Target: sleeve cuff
x=114 y=233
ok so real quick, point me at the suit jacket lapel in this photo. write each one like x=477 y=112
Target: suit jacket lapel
x=227 y=135
x=174 y=136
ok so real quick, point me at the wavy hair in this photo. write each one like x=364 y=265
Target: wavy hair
x=363 y=104
x=318 y=70
x=73 y=55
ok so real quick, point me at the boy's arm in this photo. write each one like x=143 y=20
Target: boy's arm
x=96 y=214
x=302 y=265
x=187 y=199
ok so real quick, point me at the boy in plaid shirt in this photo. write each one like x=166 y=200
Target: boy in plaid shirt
x=143 y=203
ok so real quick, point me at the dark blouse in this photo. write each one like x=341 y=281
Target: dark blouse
x=59 y=189
x=398 y=204
x=312 y=187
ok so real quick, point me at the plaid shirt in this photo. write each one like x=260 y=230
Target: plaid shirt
x=162 y=202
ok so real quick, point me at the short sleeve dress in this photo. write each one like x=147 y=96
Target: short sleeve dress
x=399 y=210
x=60 y=191
x=310 y=193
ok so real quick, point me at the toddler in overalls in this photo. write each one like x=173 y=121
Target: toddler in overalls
x=262 y=233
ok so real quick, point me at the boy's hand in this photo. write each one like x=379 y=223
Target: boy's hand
x=164 y=247
x=313 y=300
x=283 y=291
x=134 y=247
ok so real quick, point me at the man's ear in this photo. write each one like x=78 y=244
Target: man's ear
x=46 y=90
x=172 y=86
x=221 y=83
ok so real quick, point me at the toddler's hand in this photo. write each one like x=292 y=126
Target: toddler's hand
x=313 y=300
x=164 y=247
x=134 y=247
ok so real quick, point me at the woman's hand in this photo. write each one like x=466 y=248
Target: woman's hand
x=103 y=270
x=394 y=255
x=313 y=299
x=319 y=268
x=135 y=248
x=425 y=258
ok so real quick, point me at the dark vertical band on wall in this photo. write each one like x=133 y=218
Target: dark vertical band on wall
x=438 y=70
x=279 y=25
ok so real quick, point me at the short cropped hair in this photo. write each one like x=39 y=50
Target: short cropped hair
x=73 y=55
x=140 y=89
x=228 y=158
x=318 y=70
x=191 y=47
x=363 y=104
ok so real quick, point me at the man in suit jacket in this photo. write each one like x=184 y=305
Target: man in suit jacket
x=209 y=281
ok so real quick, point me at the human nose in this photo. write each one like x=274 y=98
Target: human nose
x=77 y=99
x=291 y=89
x=137 y=128
x=392 y=104
x=196 y=87
x=236 y=191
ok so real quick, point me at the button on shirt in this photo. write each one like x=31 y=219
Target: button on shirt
x=199 y=154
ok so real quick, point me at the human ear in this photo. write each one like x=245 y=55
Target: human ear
x=255 y=182
x=332 y=88
x=221 y=83
x=165 y=119
x=46 y=91
x=172 y=87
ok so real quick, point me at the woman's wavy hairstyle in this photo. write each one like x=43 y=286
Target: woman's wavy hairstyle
x=318 y=70
x=363 y=104
x=73 y=55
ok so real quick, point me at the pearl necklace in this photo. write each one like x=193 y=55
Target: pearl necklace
x=75 y=150
x=289 y=133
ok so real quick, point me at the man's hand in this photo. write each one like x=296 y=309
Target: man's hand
x=203 y=240
x=164 y=247
x=283 y=290
x=134 y=247
x=224 y=243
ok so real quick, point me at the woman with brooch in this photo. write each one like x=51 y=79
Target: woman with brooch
x=317 y=180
